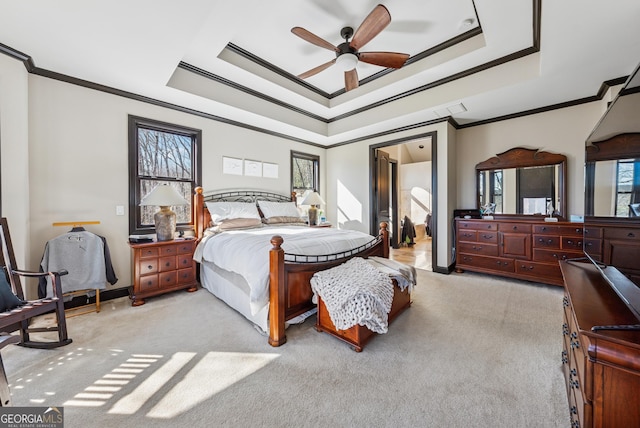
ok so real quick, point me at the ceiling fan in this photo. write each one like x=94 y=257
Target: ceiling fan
x=348 y=54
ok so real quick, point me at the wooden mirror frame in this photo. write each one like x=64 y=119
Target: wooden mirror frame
x=520 y=157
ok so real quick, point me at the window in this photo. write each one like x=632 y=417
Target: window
x=496 y=190
x=304 y=173
x=627 y=185
x=161 y=153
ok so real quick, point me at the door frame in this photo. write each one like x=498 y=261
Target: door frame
x=373 y=227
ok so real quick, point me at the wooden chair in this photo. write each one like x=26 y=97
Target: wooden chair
x=19 y=317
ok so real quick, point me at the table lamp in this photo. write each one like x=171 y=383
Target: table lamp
x=165 y=197
x=313 y=199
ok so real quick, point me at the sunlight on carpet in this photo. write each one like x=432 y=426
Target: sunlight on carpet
x=221 y=369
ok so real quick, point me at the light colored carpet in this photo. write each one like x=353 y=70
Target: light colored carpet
x=472 y=351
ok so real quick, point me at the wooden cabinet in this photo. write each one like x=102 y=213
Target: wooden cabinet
x=601 y=368
x=523 y=249
x=161 y=267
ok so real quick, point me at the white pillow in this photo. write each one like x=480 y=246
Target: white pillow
x=221 y=211
x=278 y=209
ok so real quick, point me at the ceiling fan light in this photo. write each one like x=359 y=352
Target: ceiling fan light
x=347 y=61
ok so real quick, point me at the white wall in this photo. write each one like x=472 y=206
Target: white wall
x=415 y=191
x=14 y=138
x=560 y=131
x=78 y=149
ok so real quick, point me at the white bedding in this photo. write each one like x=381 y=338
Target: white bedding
x=246 y=252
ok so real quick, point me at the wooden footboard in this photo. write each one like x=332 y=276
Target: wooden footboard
x=290 y=291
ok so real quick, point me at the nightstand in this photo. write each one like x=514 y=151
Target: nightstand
x=162 y=267
x=321 y=225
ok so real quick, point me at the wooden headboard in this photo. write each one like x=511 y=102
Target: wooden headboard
x=202 y=218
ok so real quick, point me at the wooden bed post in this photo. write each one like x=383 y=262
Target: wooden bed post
x=384 y=232
x=198 y=212
x=276 y=293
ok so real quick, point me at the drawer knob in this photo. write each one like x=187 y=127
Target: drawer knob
x=565 y=359
x=565 y=329
x=149 y=267
x=167 y=264
x=631 y=235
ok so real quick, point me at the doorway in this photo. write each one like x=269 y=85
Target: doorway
x=402 y=177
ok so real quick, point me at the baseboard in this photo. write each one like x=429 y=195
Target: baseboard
x=444 y=270
x=112 y=293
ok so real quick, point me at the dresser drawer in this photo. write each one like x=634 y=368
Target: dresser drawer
x=593 y=246
x=167 y=263
x=184 y=261
x=148 y=282
x=468 y=235
x=477 y=225
x=148 y=266
x=572 y=243
x=185 y=247
x=148 y=252
x=490 y=237
x=493 y=263
x=546 y=229
x=619 y=233
x=186 y=276
x=514 y=227
x=548 y=255
x=479 y=248
x=546 y=270
x=168 y=250
x=546 y=241
x=572 y=231
x=593 y=232
x=167 y=279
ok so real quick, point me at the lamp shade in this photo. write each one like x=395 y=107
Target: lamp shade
x=163 y=195
x=313 y=198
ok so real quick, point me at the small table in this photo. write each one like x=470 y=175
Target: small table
x=321 y=225
x=162 y=267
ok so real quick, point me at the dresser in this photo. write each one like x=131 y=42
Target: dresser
x=601 y=368
x=162 y=267
x=516 y=248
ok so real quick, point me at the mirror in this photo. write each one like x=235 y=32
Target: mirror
x=612 y=178
x=524 y=182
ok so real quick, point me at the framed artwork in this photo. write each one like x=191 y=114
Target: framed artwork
x=252 y=168
x=270 y=170
x=231 y=166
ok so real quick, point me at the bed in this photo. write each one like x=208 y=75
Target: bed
x=282 y=256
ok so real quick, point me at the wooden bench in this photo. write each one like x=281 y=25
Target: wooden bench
x=357 y=336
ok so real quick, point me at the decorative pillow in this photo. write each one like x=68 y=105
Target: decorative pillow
x=279 y=212
x=238 y=223
x=221 y=211
x=8 y=300
x=283 y=220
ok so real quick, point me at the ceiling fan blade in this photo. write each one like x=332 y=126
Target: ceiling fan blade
x=312 y=38
x=350 y=79
x=384 y=59
x=317 y=69
x=373 y=24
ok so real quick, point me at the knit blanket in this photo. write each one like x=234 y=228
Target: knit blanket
x=355 y=292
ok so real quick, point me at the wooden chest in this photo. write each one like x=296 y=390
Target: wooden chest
x=357 y=336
